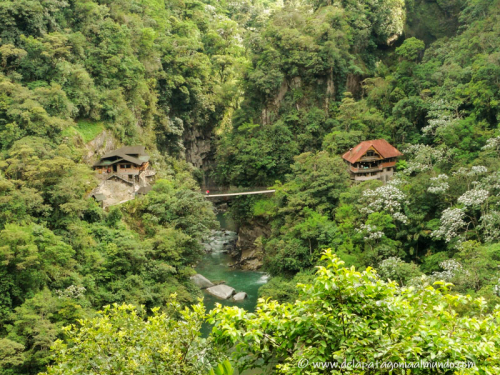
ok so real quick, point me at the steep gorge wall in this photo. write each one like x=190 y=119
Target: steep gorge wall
x=425 y=19
x=249 y=244
x=429 y=20
x=197 y=146
x=100 y=145
x=200 y=150
x=326 y=88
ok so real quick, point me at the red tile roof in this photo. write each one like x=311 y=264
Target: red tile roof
x=384 y=148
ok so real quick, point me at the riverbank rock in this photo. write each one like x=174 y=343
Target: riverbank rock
x=222 y=207
x=201 y=281
x=238 y=297
x=251 y=260
x=249 y=244
x=222 y=240
x=221 y=291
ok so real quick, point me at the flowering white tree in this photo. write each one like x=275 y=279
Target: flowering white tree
x=72 y=291
x=452 y=222
x=491 y=183
x=496 y=288
x=394 y=268
x=422 y=158
x=492 y=144
x=476 y=170
x=453 y=219
x=439 y=184
x=442 y=115
x=474 y=197
x=370 y=232
x=390 y=265
x=490 y=224
x=388 y=198
x=472 y=176
x=451 y=267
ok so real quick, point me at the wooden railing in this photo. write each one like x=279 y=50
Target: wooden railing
x=372 y=169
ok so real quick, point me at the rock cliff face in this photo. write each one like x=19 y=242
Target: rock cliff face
x=429 y=20
x=249 y=244
x=198 y=146
x=116 y=191
x=103 y=143
x=199 y=149
x=326 y=85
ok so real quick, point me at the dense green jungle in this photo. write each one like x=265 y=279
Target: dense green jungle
x=243 y=94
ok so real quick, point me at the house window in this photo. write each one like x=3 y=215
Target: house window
x=370 y=153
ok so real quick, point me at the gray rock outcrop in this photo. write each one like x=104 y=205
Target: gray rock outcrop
x=249 y=244
x=201 y=281
x=221 y=241
x=99 y=146
x=221 y=291
x=238 y=297
x=116 y=190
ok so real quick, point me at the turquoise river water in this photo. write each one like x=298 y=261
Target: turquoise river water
x=215 y=266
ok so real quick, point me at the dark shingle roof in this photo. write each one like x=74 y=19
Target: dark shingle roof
x=127 y=150
x=124 y=153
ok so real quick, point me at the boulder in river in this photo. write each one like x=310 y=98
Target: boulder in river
x=238 y=297
x=221 y=291
x=201 y=281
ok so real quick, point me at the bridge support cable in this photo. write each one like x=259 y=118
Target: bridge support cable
x=242 y=193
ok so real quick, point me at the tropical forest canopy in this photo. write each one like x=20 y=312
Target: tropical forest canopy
x=276 y=91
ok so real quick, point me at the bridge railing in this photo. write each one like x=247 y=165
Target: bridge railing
x=233 y=189
x=228 y=195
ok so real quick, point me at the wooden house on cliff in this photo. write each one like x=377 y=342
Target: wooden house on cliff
x=124 y=174
x=126 y=162
x=372 y=160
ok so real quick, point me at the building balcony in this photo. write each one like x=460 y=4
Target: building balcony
x=104 y=175
x=365 y=170
x=365 y=178
x=370 y=158
x=380 y=167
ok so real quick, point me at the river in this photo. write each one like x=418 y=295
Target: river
x=215 y=266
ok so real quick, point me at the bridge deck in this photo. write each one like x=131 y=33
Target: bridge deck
x=241 y=193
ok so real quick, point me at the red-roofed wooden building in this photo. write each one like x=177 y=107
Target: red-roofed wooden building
x=372 y=160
